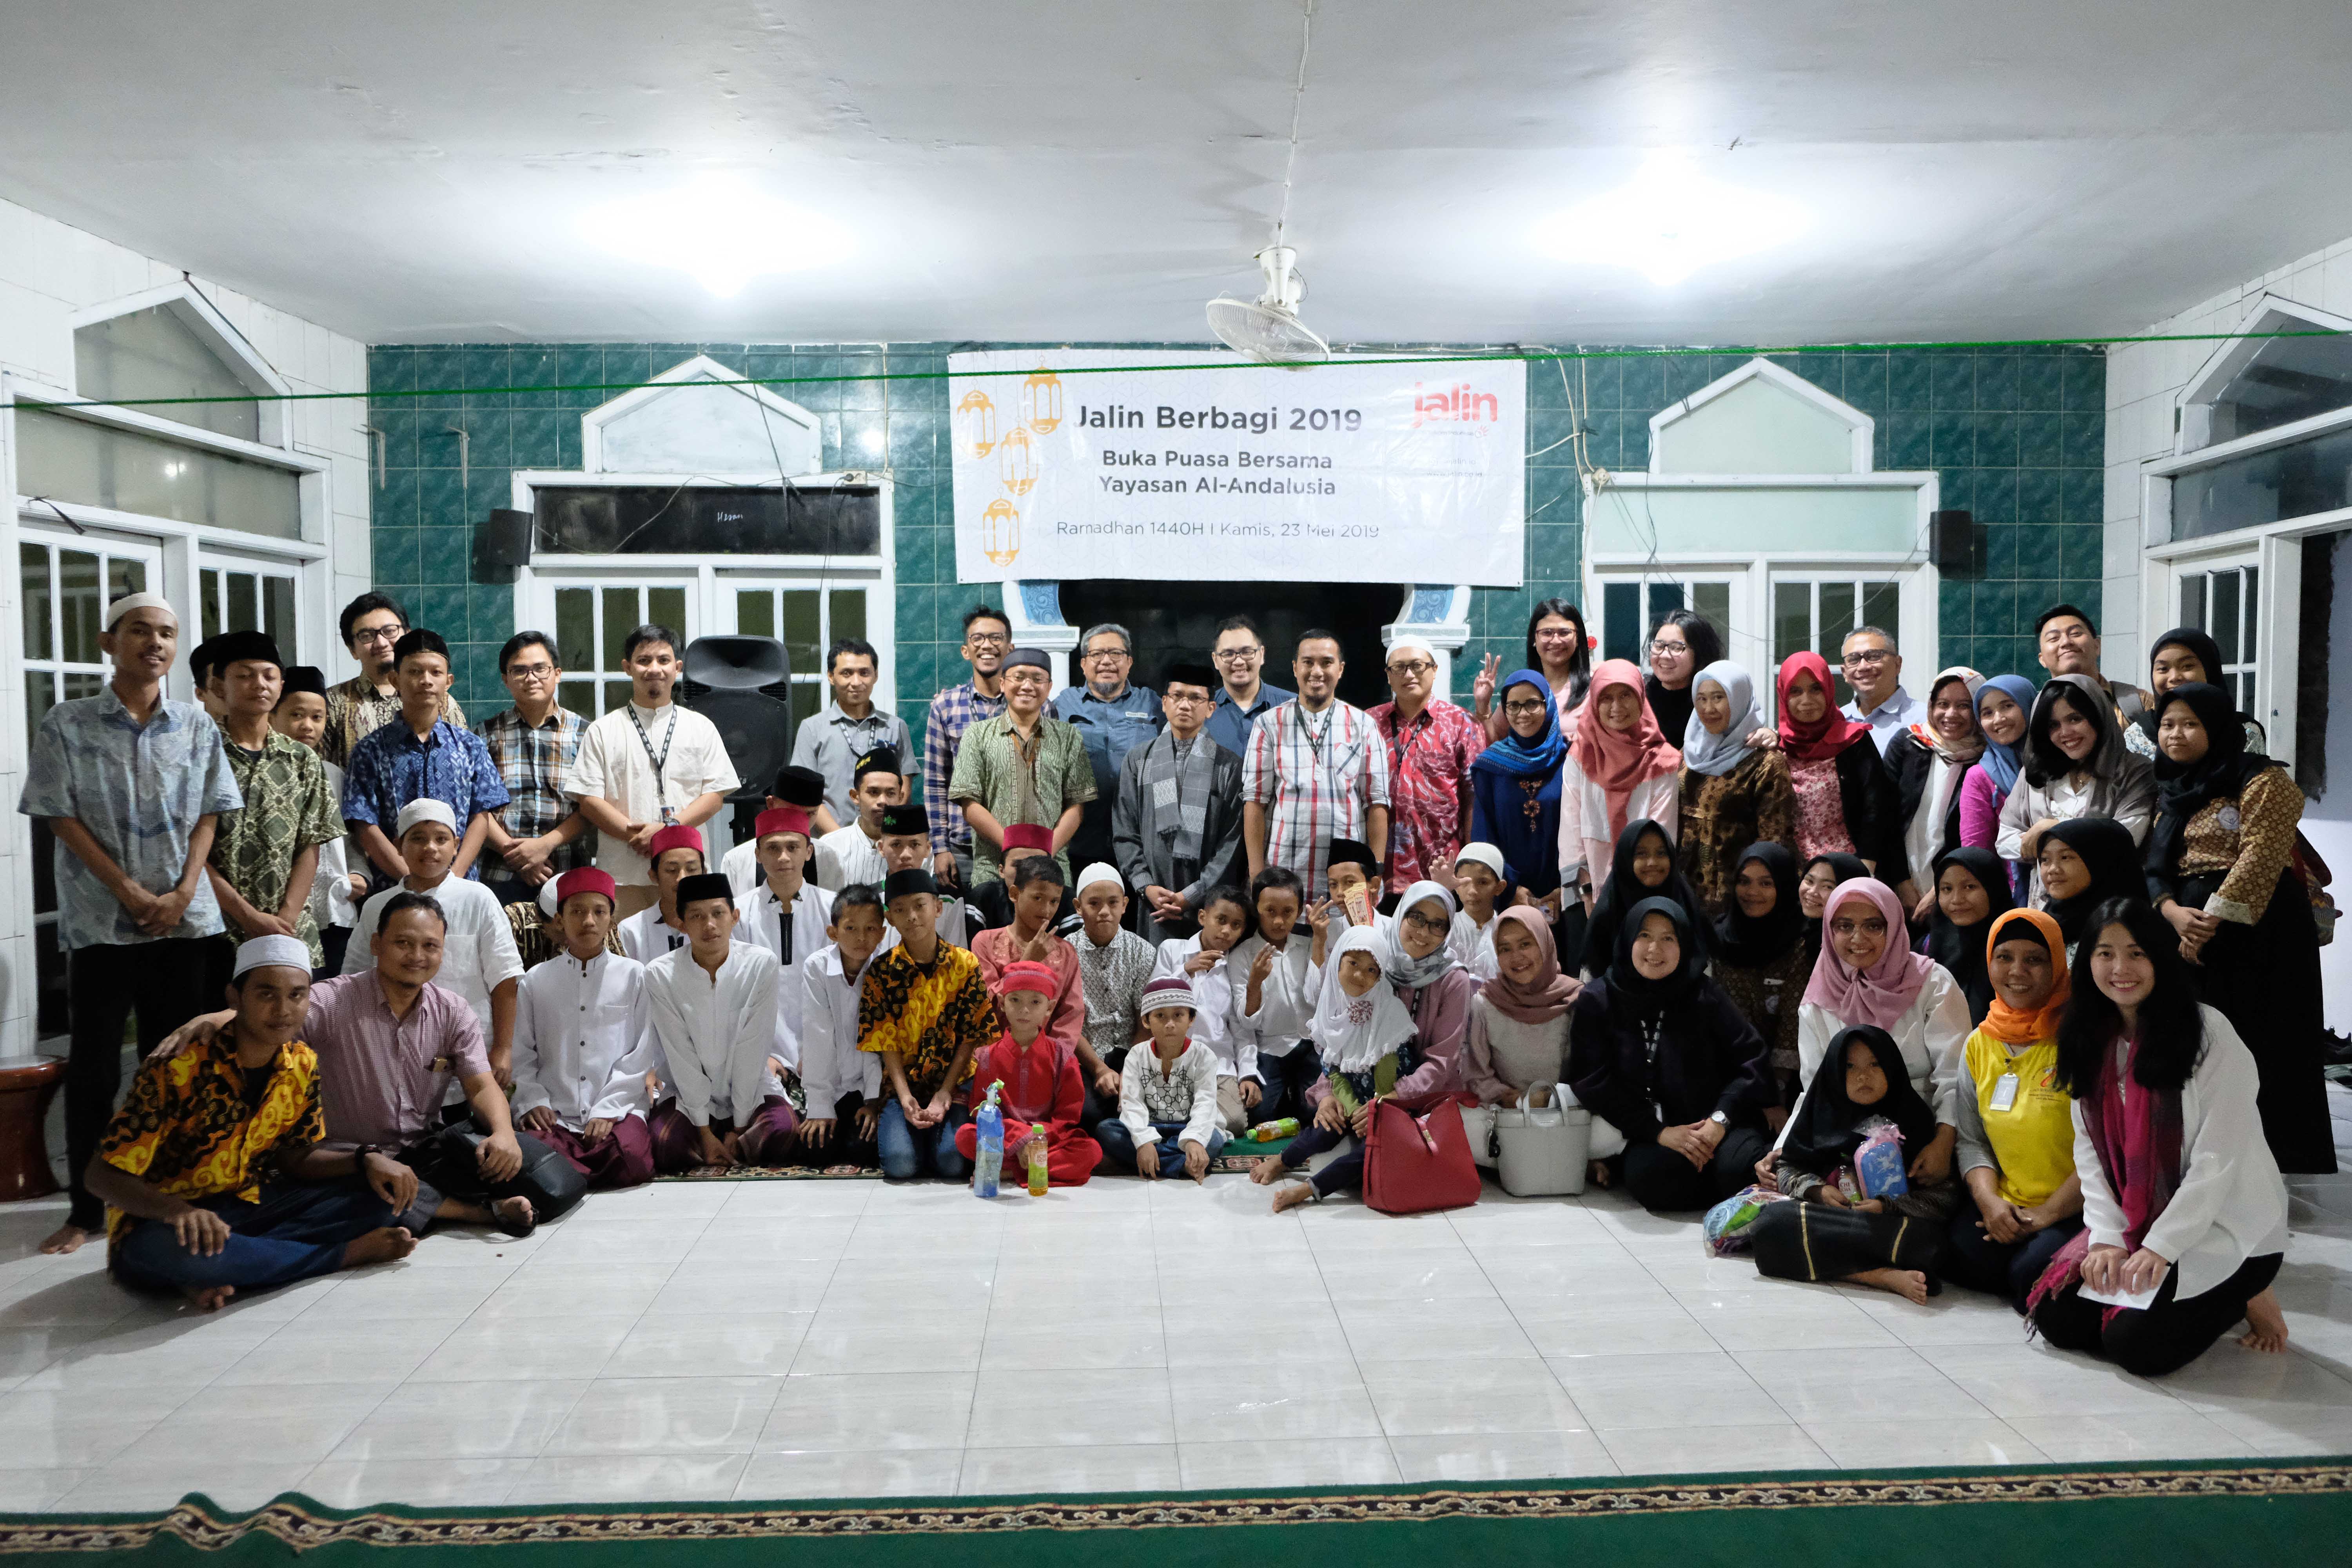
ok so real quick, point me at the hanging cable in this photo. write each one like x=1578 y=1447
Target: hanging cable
x=1298 y=101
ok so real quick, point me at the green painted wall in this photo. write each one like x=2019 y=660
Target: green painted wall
x=2018 y=437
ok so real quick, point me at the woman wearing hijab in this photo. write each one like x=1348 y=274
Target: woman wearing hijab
x=1845 y=797
x=2017 y=1126
x=2002 y=704
x=1515 y=785
x=1365 y=1039
x=1867 y=975
x=2182 y=656
x=2220 y=873
x=1761 y=963
x=1889 y=1243
x=1683 y=643
x=2076 y=765
x=1431 y=983
x=1559 y=651
x=1619 y=768
x=1732 y=792
x=1517 y=1042
x=1971 y=888
x=1659 y=1053
x=1642 y=865
x=2083 y=864
x=1823 y=874
x=1928 y=762
x=2181 y=1199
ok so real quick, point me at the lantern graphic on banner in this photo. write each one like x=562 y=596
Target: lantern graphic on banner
x=1000 y=531
x=976 y=422
x=1016 y=459
x=1040 y=401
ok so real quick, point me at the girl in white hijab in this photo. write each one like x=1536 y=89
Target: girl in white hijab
x=1366 y=1038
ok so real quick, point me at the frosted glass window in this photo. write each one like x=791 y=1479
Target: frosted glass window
x=2289 y=378
x=155 y=353
x=70 y=459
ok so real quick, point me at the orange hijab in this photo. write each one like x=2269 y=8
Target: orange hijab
x=2005 y=1023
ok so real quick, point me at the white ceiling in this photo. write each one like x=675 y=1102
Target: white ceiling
x=1090 y=170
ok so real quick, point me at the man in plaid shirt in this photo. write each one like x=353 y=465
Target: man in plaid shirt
x=1431 y=742
x=1316 y=770
x=987 y=638
x=538 y=833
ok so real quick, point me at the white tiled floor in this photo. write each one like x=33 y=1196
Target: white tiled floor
x=839 y=1339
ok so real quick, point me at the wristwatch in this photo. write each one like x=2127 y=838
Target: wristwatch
x=359 y=1156
x=1719 y=1119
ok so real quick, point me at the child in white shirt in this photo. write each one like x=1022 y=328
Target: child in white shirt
x=1168 y=1116
x=1205 y=959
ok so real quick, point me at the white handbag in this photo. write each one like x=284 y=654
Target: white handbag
x=1542 y=1152
x=1478 y=1125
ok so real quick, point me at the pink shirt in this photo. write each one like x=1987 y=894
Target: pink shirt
x=380 y=1078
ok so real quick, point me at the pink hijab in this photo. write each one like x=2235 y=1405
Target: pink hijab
x=1618 y=762
x=1877 y=995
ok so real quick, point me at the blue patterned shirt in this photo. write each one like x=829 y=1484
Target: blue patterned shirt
x=139 y=790
x=390 y=767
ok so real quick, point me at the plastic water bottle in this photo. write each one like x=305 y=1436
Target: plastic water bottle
x=1267 y=1132
x=988 y=1151
x=1037 y=1163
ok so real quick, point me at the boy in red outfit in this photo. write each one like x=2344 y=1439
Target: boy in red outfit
x=1042 y=1085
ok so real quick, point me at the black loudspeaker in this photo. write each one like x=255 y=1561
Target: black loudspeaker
x=725 y=677
x=503 y=539
x=1952 y=540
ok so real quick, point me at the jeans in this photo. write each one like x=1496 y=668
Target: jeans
x=164 y=983
x=1119 y=1144
x=910 y=1151
x=2003 y=1268
x=293 y=1233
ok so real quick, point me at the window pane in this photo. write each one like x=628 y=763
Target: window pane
x=1793 y=620
x=41 y=696
x=33 y=577
x=800 y=630
x=616 y=695
x=576 y=628
x=244 y=614
x=278 y=612
x=755 y=613
x=129 y=471
x=1837 y=620
x=808 y=696
x=1621 y=618
x=2225 y=615
x=1882 y=606
x=2247 y=611
x=848 y=613
x=708 y=520
x=578 y=696
x=2192 y=600
x=78 y=605
x=666 y=607
x=124 y=577
x=208 y=601
x=1713 y=600
x=1664 y=597
x=86 y=684
x=155 y=353
x=620 y=618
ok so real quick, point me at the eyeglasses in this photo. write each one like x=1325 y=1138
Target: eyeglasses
x=1525 y=707
x=1420 y=922
x=1228 y=655
x=1189 y=699
x=1873 y=926
x=530 y=671
x=1658 y=649
x=1413 y=669
x=393 y=633
x=986 y=639
x=1098 y=655
x=1865 y=661
x=1557 y=633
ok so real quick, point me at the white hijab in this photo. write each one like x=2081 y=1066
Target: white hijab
x=1354 y=1032
x=1704 y=751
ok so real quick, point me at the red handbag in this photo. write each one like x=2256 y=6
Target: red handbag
x=1417 y=1157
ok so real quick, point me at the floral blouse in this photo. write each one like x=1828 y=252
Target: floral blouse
x=1820 y=810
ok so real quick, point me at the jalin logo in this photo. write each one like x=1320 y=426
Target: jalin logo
x=1457 y=403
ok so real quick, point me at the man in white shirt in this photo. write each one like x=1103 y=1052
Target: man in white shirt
x=581 y=1015
x=787 y=915
x=802 y=787
x=854 y=854
x=646 y=766
x=478 y=959
x=847 y=728
x=656 y=929
x=1873 y=668
x=1278 y=979
x=712 y=1005
x=841 y=1086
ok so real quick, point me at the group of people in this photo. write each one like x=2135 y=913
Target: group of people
x=2055 y=942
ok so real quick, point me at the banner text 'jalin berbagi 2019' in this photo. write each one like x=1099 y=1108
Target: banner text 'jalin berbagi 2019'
x=1075 y=463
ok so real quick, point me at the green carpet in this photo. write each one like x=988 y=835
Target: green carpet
x=2105 y=1516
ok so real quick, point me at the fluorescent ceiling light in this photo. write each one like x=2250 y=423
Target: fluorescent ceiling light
x=719 y=230
x=1668 y=223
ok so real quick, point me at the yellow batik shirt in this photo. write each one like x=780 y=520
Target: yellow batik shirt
x=926 y=1015
x=187 y=1130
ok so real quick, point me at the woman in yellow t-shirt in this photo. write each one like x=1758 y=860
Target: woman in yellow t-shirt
x=2016 y=1147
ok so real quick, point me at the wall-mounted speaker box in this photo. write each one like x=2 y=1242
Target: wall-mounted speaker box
x=1952 y=540
x=502 y=540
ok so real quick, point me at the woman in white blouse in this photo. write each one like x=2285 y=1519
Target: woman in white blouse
x=1865 y=975
x=2185 y=1216
x=2076 y=765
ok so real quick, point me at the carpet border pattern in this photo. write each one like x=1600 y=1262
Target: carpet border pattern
x=304 y=1525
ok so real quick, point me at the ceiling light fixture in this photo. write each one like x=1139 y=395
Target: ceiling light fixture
x=719 y=230
x=1668 y=223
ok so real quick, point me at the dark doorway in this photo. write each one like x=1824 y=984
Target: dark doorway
x=1179 y=620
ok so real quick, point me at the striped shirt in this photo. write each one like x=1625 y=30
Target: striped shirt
x=952 y=712
x=1318 y=776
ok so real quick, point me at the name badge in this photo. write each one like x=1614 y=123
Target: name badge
x=442 y=1064
x=2004 y=1093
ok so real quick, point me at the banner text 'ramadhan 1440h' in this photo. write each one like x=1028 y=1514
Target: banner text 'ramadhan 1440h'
x=1339 y=473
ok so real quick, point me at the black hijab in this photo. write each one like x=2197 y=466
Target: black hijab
x=1960 y=948
x=2209 y=655
x=1827 y=1129
x=2106 y=848
x=1751 y=941
x=1845 y=867
x=1608 y=909
x=1645 y=994
x=2184 y=790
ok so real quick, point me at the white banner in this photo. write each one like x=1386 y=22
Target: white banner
x=1070 y=464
